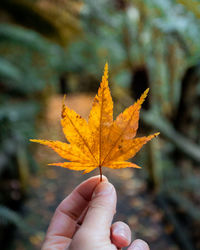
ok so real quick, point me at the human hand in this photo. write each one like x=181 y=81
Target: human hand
x=83 y=221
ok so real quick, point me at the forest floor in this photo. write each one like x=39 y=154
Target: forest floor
x=136 y=204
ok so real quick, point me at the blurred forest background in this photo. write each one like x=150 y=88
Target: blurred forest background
x=52 y=47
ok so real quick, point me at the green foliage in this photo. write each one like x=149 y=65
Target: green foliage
x=21 y=51
x=29 y=65
x=192 y=5
x=8 y=71
x=25 y=49
x=8 y=216
x=17 y=35
x=27 y=14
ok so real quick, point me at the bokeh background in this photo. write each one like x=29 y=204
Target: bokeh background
x=52 y=47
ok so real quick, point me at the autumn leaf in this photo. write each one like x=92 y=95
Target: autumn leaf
x=100 y=141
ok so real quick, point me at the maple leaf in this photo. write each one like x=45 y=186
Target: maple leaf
x=100 y=142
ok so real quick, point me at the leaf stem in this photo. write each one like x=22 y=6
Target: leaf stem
x=100 y=173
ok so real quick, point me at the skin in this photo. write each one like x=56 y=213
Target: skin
x=83 y=221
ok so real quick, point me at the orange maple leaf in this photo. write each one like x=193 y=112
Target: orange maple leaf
x=100 y=142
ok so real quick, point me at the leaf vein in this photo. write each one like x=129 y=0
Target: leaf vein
x=82 y=138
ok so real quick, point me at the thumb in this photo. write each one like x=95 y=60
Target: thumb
x=101 y=208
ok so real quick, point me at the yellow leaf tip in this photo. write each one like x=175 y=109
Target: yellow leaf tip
x=52 y=164
x=136 y=166
x=145 y=93
x=105 y=74
x=106 y=69
x=63 y=106
x=64 y=98
x=153 y=136
x=33 y=140
x=143 y=96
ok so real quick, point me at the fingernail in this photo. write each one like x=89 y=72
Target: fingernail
x=103 y=189
x=139 y=245
x=122 y=232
